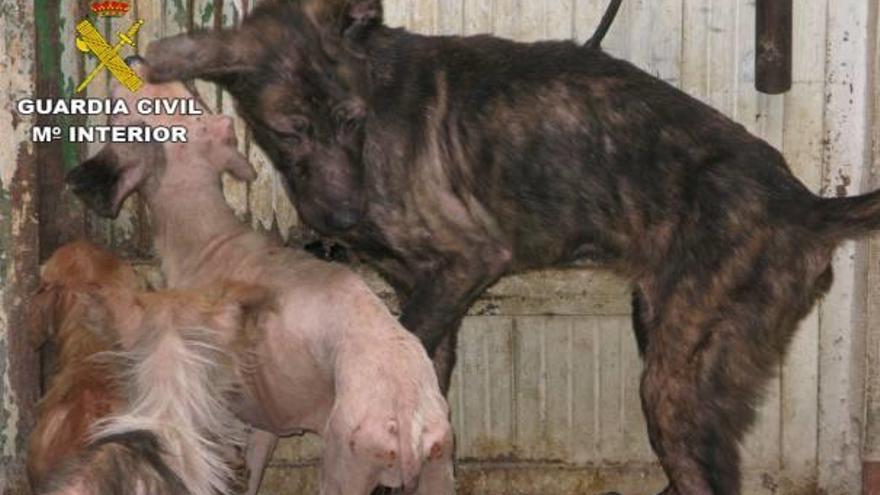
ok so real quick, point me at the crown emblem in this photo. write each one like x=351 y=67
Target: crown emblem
x=111 y=8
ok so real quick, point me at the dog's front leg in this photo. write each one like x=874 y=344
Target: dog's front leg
x=433 y=310
x=260 y=445
x=437 y=476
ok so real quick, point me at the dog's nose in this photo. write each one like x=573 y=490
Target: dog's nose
x=342 y=219
x=134 y=60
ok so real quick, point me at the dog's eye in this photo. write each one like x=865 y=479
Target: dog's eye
x=300 y=126
x=349 y=125
x=295 y=128
x=348 y=117
x=301 y=171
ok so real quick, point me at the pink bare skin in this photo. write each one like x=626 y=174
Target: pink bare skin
x=329 y=358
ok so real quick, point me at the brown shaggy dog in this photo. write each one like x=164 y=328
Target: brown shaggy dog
x=82 y=391
x=139 y=404
x=179 y=374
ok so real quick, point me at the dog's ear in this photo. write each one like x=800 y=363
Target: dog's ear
x=218 y=56
x=232 y=161
x=95 y=182
x=106 y=180
x=41 y=315
x=226 y=154
x=360 y=17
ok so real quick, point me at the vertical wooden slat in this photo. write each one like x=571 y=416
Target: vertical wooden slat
x=556 y=366
x=236 y=192
x=478 y=16
x=505 y=18
x=723 y=51
x=450 y=16
x=842 y=331
x=530 y=20
x=203 y=15
x=655 y=37
x=261 y=191
x=585 y=17
x=395 y=12
x=617 y=42
x=872 y=419
x=803 y=135
x=805 y=103
x=177 y=16
x=584 y=389
x=635 y=435
x=529 y=391
x=482 y=392
x=694 y=56
x=62 y=217
x=423 y=17
x=557 y=19
x=151 y=12
x=610 y=398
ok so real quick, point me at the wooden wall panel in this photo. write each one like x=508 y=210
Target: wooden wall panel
x=843 y=328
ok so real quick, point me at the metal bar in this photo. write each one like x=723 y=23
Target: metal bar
x=773 y=34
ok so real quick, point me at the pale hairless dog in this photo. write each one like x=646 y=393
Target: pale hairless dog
x=329 y=358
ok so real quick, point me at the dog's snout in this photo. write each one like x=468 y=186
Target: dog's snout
x=135 y=60
x=342 y=219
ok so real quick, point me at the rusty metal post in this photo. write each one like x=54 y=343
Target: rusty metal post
x=773 y=50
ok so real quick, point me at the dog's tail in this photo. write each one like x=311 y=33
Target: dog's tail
x=179 y=382
x=595 y=41
x=851 y=217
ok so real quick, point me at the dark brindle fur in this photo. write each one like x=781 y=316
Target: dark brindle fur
x=449 y=162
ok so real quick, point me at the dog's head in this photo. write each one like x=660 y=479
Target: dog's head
x=104 y=181
x=297 y=81
x=74 y=268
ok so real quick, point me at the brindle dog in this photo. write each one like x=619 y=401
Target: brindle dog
x=449 y=162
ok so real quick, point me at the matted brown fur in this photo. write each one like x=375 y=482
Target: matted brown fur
x=112 y=423
x=83 y=390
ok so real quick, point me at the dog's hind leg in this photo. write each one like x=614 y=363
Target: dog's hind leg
x=640 y=319
x=445 y=358
x=713 y=342
x=691 y=429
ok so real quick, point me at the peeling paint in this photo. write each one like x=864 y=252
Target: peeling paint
x=15 y=74
x=4 y=239
x=207 y=13
x=8 y=408
x=181 y=16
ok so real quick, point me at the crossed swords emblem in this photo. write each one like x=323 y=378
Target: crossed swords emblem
x=90 y=40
